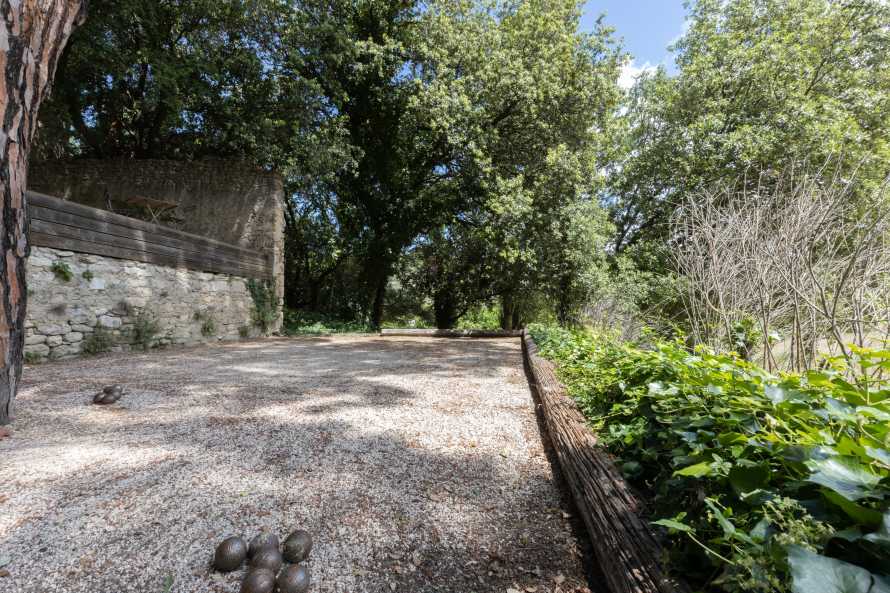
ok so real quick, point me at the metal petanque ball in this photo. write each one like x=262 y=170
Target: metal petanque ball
x=230 y=554
x=262 y=541
x=267 y=558
x=258 y=580
x=297 y=546
x=293 y=579
x=112 y=389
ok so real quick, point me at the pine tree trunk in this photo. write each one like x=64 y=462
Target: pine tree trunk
x=33 y=34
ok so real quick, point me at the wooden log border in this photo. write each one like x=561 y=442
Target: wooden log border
x=453 y=333
x=626 y=549
x=61 y=224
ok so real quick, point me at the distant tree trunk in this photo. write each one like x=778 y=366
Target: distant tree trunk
x=445 y=310
x=508 y=311
x=33 y=34
x=379 y=298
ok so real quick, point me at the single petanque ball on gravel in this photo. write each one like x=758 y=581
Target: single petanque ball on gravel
x=267 y=558
x=265 y=539
x=110 y=398
x=230 y=554
x=297 y=546
x=112 y=389
x=293 y=579
x=258 y=580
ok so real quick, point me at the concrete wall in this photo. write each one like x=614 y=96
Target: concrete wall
x=63 y=315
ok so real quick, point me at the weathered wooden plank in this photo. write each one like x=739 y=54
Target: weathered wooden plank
x=626 y=548
x=65 y=225
x=43 y=202
x=40 y=213
x=79 y=245
x=453 y=333
x=207 y=258
x=54 y=203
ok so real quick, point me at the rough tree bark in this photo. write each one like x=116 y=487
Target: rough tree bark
x=33 y=34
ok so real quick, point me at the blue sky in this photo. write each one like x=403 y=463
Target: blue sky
x=647 y=27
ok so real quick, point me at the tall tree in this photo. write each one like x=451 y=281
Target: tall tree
x=33 y=34
x=762 y=84
x=177 y=80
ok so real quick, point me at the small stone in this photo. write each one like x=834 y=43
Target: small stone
x=52 y=341
x=297 y=546
x=230 y=554
x=264 y=539
x=267 y=558
x=293 y=579
x=258 y=580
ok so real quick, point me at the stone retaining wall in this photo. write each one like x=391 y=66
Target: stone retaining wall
x=105 y=300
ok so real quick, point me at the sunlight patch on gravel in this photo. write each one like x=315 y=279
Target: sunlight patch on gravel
x=415 y=462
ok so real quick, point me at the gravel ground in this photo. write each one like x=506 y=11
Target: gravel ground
x=416 y=463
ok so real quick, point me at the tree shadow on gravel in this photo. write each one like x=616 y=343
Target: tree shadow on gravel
x=188 y=468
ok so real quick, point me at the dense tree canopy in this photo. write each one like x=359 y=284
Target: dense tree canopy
x=460 y=154
x=762 y=84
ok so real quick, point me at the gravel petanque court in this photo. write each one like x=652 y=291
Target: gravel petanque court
x=416 y=463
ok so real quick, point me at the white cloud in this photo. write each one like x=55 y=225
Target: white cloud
x=630 y=72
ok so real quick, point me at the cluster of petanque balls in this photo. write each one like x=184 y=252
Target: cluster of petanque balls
x=265 y=560
x=109 y=395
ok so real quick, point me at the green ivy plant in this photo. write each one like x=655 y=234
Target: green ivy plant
x=265 y=304
x=145 y=327
x=98 y=342
x=208 y=322
x=62 y=271
x=761 y=482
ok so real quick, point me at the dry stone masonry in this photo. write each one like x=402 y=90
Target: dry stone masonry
x=78 y=302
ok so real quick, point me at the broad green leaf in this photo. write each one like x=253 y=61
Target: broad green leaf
x=856 y=511
x=696 y=471
x=812 y=573
x=881 y=455
x=744 y=479
x=676 y=525
x=844 y=475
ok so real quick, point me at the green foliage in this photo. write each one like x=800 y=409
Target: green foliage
x=98 y=342
x=208 y=322
x=87 y=275
x=244 y=331
x=751 y=473
x=298 y=323
x=763 y=84
x=32 y=358
x=265 y=305
x=484 y=316
x=62 y=271
x=146 y=327
x=176 y=80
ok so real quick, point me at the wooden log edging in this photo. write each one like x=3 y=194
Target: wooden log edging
x=626 y=549
x=453 y=333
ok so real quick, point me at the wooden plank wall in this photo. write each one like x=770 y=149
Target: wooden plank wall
x=61 y=224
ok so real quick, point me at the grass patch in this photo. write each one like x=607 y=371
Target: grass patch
x=302 y=323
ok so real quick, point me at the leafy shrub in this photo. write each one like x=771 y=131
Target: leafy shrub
x=97 y=342
x=761 y=481
x=87 y=275
x=208 y=322
x=265 y=304
x=32 y=357
x=145 y=327
x=306 y=323
x=62 y=271
x=244 y=331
